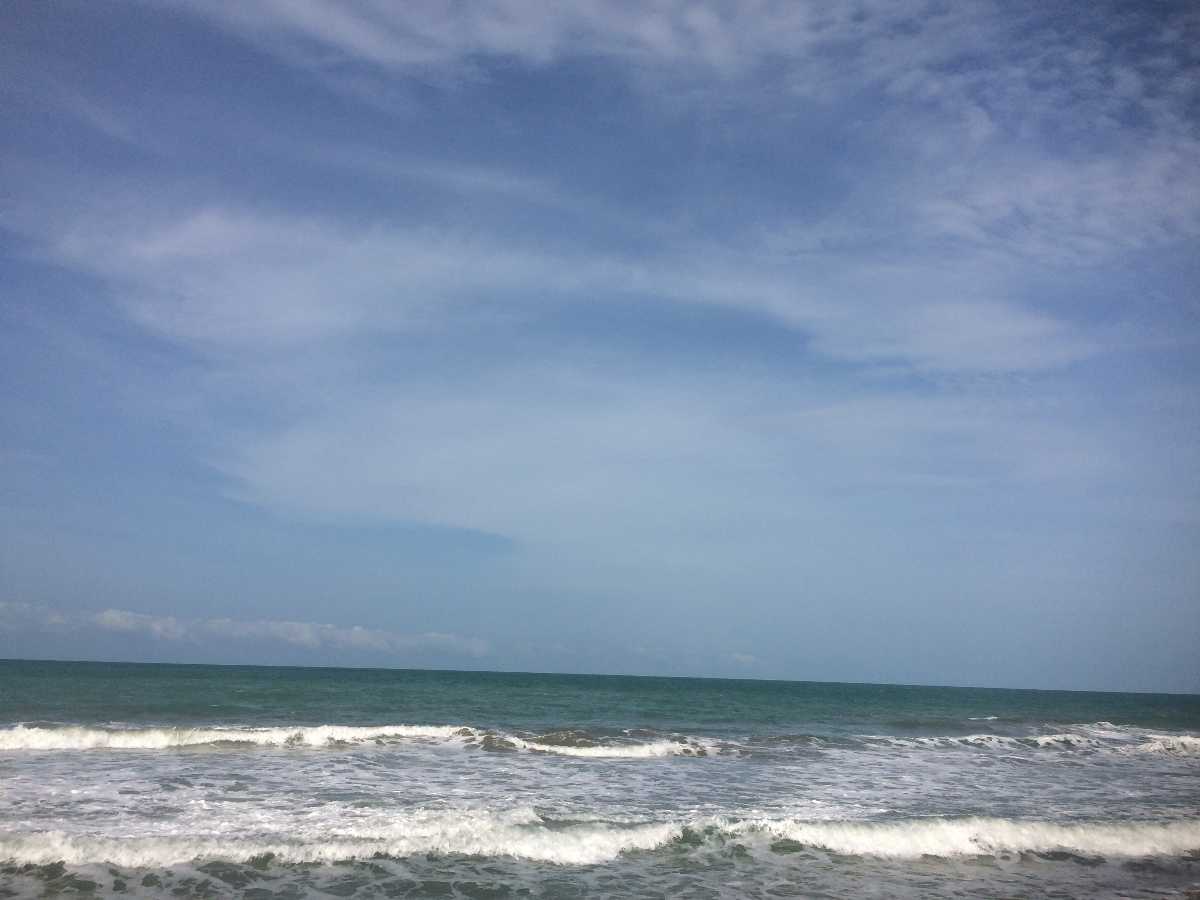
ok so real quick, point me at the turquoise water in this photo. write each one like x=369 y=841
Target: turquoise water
x=228 y=781
x=86 y=692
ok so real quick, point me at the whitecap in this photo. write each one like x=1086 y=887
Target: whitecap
x=648 y=750
x=1171 y=744
x=983 y=837
x=520 y=833
x=77 y=737
x=523 y=834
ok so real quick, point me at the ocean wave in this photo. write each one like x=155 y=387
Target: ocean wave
x=1171 y=744
x=649 y=750
x=1097 y=737
x=523 y=834
x=992 y=741
x=1100 y=737
x=983 y=837
x=75 y=737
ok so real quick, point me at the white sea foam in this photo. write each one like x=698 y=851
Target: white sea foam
x=620 y=751
x=25 y=737
x=521 y=834
x=1103 y=729
x=1173 y=744
x=1100 y=737
x=1128 y=739
x=934 y=742
x=983 y=837
x=1064 y=741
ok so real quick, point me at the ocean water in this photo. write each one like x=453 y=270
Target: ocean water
x=202 y=781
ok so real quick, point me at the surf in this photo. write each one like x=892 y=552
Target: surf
x=524 y=834
x=68 y=738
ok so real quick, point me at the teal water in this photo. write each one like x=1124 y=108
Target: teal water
x=88 y=692
x=231 y=781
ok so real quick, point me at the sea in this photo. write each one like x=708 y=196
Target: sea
x=220 y=781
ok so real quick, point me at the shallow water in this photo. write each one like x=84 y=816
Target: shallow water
x=220 y=781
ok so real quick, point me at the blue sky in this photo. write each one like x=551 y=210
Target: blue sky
x=852 y=341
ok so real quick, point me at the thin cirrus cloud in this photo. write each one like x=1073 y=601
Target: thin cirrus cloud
x=233 y=278
x=875 y=308
x=647 y=469
x=228 y=282
x=996 y=81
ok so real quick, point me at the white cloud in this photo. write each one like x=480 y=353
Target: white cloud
x=16 y=616
x=239 y=280
x=423 y=35
x=910 y=276
x=686 y=472
x=233 y=278
x=1076 y=211
x=165 y=627
x=961 y=336
x=988 y=65
x=1052 y=143
x=827 y=45
x=983 y=103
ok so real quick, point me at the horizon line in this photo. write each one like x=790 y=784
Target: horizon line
x=367 y=668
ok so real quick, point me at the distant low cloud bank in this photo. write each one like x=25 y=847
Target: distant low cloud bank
x=16 y=617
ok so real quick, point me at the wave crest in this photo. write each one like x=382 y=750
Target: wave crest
x=1109 y=738
x=983 y=837
x=522 y=833
x=76 y=737
x=1102 y=737
x=1172 y=744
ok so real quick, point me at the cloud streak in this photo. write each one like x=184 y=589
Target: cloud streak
x=236 y=279
x=983 y=98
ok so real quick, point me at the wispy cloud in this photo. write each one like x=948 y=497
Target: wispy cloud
x=34 y=85
x=688 y=300
x=1073 y=212
x=239 y=279
x=994 y=68
x=604 y=464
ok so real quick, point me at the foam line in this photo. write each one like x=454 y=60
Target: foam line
x=984 y=837
x=522 y=834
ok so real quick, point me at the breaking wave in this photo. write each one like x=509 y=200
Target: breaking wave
x=996 y=741
x=983 y=837
x=690 y=747
x=1174 y=744
x=73 y=737
x=520 y=833
x=1098 y=737
x=523 y=834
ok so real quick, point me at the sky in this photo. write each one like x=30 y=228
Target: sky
x=850 y=341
